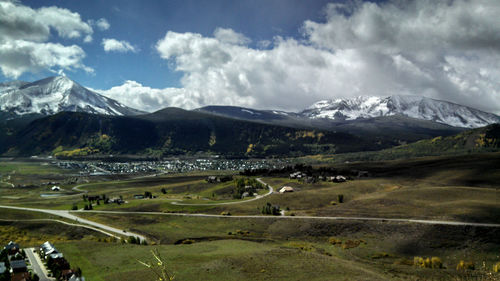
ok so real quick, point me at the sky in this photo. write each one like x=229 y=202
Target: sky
x=264 y=54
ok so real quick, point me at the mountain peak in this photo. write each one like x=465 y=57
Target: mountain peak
x=406 y=105
x=55 y=94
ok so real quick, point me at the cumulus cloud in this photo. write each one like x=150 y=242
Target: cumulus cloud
x=20 y=56
x=103 y=24
x=442 y=49
x=135 y=95
x=113 y=45
x=228 y=35
x=24 y=33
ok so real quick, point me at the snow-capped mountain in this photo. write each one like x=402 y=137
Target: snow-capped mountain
x=411 y=106
x=55 y=94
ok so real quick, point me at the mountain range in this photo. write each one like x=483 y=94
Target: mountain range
x=57 y=115
x=56 y=94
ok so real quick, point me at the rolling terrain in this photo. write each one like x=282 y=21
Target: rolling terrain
x=173 y=131
x=58 y=116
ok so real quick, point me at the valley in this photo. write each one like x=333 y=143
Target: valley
x=395 y=188
x=427 y=207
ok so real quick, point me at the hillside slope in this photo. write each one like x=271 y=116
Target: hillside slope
x=174 y=131
x=486 y=139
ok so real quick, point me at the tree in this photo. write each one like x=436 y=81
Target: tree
x=269 y=209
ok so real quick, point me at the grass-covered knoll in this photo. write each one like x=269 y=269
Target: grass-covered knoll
x=216 y=260
x=486 y=139
x=34 y=233
x=275 y=249
x=463 y=188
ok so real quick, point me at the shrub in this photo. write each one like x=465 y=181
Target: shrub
x=427 y=263
x=433 y=262
x=340 y=198
x=496 y=267
x=418 y=261
x=334 y=241
x=187 y=241
x=350 y=244
x=132 y=240
x=465 y=265
x=436 y=262
x=159 y=267
x=269 y=209
x=333 y=203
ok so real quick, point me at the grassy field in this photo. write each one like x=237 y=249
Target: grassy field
x=31 y=229
x=284 y=250
x=215 y=260
x=458 y=188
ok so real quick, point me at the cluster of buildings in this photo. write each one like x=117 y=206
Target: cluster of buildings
x=169 y=166
x=13 y=264
x=312 y=179
x=57 y=264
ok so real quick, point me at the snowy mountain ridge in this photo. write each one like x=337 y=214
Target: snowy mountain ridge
x=411 y=106
x=55 y=94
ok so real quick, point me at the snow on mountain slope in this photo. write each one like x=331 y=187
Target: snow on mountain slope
x=55 y=94
x=410 y=106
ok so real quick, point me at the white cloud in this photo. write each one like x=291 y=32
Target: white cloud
x=87 y=39
x=111 y=45
x=20 y=56
x=24 y=33
x=66 y=23
x=103 y=24
x=443 y=49
x=228 y=35
x=135 y=95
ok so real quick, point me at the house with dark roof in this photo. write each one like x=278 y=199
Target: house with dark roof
x=18 y=266
x=12 y=248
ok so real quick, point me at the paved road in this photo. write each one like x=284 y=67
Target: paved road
x=66 y=223
x=271 y=190
x=403 y=220
x=68 y=215
x=37 y=265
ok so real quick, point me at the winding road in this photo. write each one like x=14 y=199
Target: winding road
x=271 y=190
x=81 y=222
x=109 y=230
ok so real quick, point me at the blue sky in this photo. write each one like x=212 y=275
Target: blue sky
x=143 y=23
x=272 y=54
